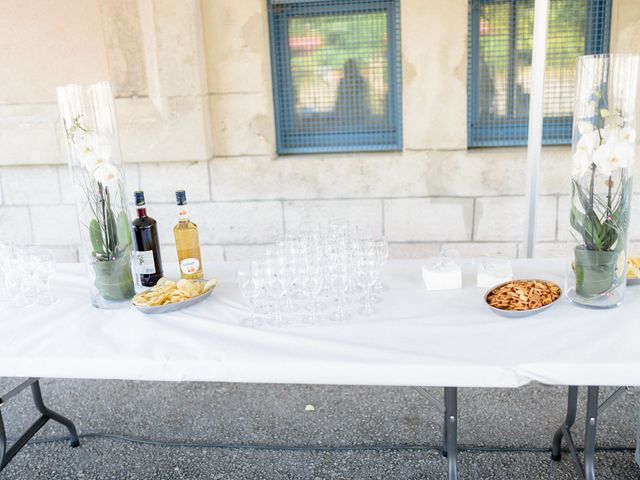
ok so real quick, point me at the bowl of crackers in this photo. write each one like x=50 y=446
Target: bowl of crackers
x=169 y=296
x=521 y=298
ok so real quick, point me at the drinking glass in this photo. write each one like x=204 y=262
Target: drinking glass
x=311 y=283
x=367 y=274
x=339 y=278
x=382 y=251
x=44 y=269
x=250 y=288
x=17 y=280
x=276 y=288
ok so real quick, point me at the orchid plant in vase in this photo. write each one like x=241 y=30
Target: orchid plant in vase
x=99 y=190
x=601 y=186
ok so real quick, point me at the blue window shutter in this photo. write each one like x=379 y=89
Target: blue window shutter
x=336 y=71
x=500 y=40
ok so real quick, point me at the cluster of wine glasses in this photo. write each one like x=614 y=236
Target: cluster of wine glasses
x=25 y=274
x=319 y=274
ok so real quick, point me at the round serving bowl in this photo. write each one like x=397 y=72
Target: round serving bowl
x=520 y=313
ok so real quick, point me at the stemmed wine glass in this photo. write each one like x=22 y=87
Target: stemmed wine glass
x=250 y=288
x=382 y=252
x=311 y=283
x=339 y=280
x=276 y=288
x=44 y=269
x=367 y=274
x=17 y=280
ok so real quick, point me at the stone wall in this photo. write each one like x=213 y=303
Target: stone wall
x=193 y=87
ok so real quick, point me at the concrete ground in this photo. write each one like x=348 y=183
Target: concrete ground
x=353 y=433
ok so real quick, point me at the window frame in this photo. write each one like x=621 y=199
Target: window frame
x=290 y=142
x=514 y=133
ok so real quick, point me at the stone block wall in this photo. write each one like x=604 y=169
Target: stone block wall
x=194 y=103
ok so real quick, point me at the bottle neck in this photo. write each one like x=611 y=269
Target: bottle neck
x=183 y=213
x=142 y=212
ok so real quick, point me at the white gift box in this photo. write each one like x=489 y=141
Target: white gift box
x=442 y=275
x=493 y=271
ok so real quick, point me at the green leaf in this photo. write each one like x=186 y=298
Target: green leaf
x=124 y=231
x=95 y=235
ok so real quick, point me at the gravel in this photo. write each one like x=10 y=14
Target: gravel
x=400 y=428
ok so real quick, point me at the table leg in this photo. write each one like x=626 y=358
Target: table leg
x=451 y=430
x=3 y=443
x=46 y=414
x=565 y=429
x=590 y=433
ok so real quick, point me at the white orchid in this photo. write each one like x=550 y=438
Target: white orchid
x=92 y=150
x=581 y=163
x=628 y=134
x=613 y=154
x=106 y=174
x=612 y=124
x=585 y=127
x=588 y=142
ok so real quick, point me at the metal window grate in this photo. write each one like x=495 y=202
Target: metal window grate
x=336 y=75
x=500 y=45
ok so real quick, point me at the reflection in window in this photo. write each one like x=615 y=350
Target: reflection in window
x=336 y=74
x=501 y=42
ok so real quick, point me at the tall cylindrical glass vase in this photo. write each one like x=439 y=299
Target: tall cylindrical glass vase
x=93 y=150
x=604 y=139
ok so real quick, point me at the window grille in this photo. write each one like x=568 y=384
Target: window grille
x=336 y=75
x=500 y=46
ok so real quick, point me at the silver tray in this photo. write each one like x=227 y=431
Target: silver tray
x=520 y=313
x=172 y=307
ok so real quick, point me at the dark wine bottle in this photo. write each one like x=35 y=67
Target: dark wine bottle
x=147 y=247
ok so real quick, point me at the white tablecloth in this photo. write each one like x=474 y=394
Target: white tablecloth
x=446 y=338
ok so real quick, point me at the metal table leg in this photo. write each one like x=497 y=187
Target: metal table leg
x=586 y=468
x=7 y=454
x=450 y=441
x=565 y=429
x=590 y=433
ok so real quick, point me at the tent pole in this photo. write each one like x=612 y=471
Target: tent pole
x=536 y=115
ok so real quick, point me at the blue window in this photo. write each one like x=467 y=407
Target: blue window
x=336 y=75
x=500 y=45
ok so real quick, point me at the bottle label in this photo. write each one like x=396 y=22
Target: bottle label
x=146 y=262
x=189 y=265
x=183 y=213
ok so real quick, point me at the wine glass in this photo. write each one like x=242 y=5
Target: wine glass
x=311 y=283
x=367 y=274
x=44 y=269
x=17 y=281
x=382 y=251
x=339 y=279
x=250 y=288
x=276 y=288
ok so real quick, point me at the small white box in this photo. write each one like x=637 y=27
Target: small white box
x=492 y=271
x=442 y=276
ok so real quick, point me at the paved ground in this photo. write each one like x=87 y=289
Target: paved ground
x=396 y=423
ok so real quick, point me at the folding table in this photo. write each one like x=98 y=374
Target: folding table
x=417 y=338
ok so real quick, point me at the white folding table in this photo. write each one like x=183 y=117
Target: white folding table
x=417 y=338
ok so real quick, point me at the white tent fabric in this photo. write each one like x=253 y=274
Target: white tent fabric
x=446 y=338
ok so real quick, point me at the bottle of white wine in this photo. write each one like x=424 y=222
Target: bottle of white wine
x=187 y=243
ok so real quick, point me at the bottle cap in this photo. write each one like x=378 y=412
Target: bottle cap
x=139 y=197
x=181 y=197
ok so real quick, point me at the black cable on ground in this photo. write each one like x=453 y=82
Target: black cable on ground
x=305 y=448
